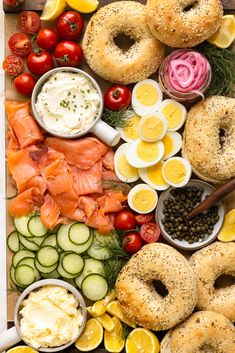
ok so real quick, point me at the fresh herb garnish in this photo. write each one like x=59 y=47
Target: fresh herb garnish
x=120 y=118
x=126 y=330
x=116 y=185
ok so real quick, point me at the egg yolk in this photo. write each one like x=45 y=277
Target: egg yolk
x=154 y=174
x=144 y=200
x=168 y=145
x=125 y=169
x=173 y=114
x=131 y=130
x=152 y=127
x=147 y=94
x=174 y=171
x=147 y=151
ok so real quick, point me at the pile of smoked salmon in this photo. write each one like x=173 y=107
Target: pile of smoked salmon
x=63 y=179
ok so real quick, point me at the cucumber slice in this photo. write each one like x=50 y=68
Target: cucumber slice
x=70 y=281
x=37 y=240
x=60 y=269
x=13 y=241
x=47 y=256
x=65 y=243
x=72 y=263
x=44 y=269
x=91 y=266
x=19 y=255
x=12 y=275
x=50 y=240
x=36 y=227
x=21 y=225
x=28 y=244
x=97 y=250
x=24 y=275
x=30 y=262
x=52 y=275
x=95 y=287
x=79 y=233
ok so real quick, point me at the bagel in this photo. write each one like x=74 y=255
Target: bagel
x=184 y=23
x=208 y=264
x=203 y=331
x=110 y=62
x=137 y=294
x=212 y=157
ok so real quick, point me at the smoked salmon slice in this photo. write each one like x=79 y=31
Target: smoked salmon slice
x=24 y=203
x=50 y=213
x=88 y=204
x=36 y=182
x=111 y=202
x=22 y=123
x=88 y=181
x=100 y=221
x=108 y=160
x=58 y=177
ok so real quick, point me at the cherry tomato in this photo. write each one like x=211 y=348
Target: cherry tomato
x=132 y=242
x=150 y=232
x=68 y=53
x=117 y=97
x=29 y=22
x=125 y=220
x=20 y=44
x=70 y=25
x=143 y=218
x=13 y=3
x=25 y=83
x=13 y=65
x=39 y=62
x=47 y=39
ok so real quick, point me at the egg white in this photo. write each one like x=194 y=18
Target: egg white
x=177 y=143
x=137 y=188
x=162 y=105
x=143 y=172
x=187 y=177
x=134 y=160
x=122 y=150
x=141 y=109
x=162 y=118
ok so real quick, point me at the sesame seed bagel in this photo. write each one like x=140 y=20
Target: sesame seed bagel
x=183 y=23
x=212 y=157
x=137 y=294
x=203 y=331
x=109 y=61
x=208 y=264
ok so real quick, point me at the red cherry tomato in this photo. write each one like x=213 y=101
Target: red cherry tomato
x=40 y=62
x=150 y=232
x=124 y=220
x=143 y=218
x=29 y=22
x=47 y=39
x=25 y=83
x=13 y=3
x=68 y=53
x=132 y=242
x=70 y=25
x=117 y=97
x=13 y=65
x=20 y=44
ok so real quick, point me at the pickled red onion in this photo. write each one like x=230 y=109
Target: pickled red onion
x=187 y=71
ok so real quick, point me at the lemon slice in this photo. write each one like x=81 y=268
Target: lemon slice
x=114 y=341
x=53 y=9
x=91 y=337
x=83 y=6
x=227 y=232
x=225 y=35
x=114 y=308
x=142 y=340
x=22 y=349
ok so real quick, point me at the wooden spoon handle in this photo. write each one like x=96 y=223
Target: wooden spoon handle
x=213 y=198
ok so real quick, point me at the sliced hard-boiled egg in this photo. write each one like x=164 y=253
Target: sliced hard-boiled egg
x=130 y=133
x=125 y=172
x=142 y=198
x=172 y=144
x=146 y=96
x=153 y=176
x=152 y=127
x=142 y=154
x=177 y=171
x=174 y=112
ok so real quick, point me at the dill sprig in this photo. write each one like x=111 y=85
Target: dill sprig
x=126 y=330
x=113 y=246
x=111 y=269
x=116 y=185
x=222 y=63
x=118 y=118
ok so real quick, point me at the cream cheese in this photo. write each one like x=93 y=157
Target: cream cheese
x=51 y=317
x=68 y=103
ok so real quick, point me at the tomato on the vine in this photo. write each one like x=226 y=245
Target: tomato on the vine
x=39 y=62
x=125 y=220
x=29 y=22
x=144 y=218
x=117 y=97
x=132 y=242
x=13 y=65
x=70 y=25
x=20 y=44
x=25 y=83
x=68 y=53
x=47 y=39
x=150 y=232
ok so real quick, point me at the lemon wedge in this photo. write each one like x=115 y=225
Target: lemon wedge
x=98 y=308
x=142 y=340
x=114 y=308
x=227 y=232
x=53 y=9
x=106 y=321
x=114 y=341
x=83 y=6
x=22 y=349
x=91 y=337
x=225 y=35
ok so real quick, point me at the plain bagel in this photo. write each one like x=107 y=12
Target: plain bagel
x=208 y=264
x=184 y=23
x=203 y=331
x=209 y=139
x=110 y=62
x=137 y=294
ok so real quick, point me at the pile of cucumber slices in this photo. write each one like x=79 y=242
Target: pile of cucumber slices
x=72 y=253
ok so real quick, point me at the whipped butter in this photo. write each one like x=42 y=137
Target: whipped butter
x=51 y=317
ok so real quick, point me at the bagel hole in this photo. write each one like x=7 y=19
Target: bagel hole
x=224 y=281
x=123 y=41
x=160 y=288
x=206 y=348
x=222 y=137
x=190 y=6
